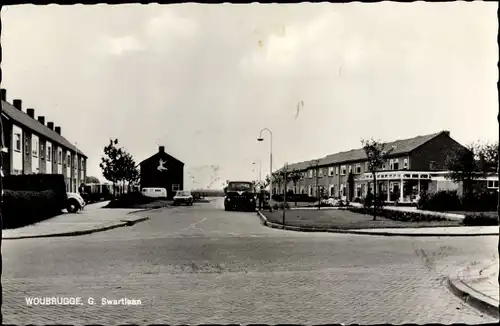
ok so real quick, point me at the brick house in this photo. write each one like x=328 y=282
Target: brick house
x=162 y=170
x=416 y=164
x=36 y=147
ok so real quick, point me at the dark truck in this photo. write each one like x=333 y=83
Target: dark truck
x=239 y=195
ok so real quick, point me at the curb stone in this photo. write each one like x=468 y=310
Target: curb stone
x=121 y=223
x=352 y=231
x=473 y=297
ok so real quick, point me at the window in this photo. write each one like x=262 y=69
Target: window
x=343 y=170
x=337 y=170
x=310 y=174
x=492 y=184
x=27 y=145
x=315 y=172
x=320 y=173
x=68 y=160
x=17 y=142
x=60 y=157
x=391 y=164
x=49 y=153
x=357 y=168
x=330 y=171
x=34 y=147
x=395 y=164
x=405 y=163
x=175 y=187
x=367 y=167
x=432 y=165
x=42 y=151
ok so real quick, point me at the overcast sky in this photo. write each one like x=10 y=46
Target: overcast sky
x=203 y=80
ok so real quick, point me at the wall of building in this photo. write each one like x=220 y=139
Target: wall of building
x=151 y=177
x=35 y=152
x=432 y=155
x=16 y=150
x=42 y=155
x=49 y=166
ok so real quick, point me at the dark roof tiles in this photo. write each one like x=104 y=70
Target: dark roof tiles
x=402 y=146
x=34 y=125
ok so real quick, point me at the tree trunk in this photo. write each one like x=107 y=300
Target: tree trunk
x=295 y=194
x=374 y=197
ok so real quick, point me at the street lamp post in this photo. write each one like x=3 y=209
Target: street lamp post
x=270 y=163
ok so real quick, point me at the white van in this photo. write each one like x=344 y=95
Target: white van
x=154 y=192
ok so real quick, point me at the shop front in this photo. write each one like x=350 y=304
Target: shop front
x=401 y=186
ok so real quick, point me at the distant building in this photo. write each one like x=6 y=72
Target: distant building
x=415 y=165
x=35 y=147
x=162 y=171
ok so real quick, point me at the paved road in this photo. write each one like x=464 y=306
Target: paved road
x=200 y=264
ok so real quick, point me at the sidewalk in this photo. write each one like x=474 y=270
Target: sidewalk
x=92 y=219
x=478 y=286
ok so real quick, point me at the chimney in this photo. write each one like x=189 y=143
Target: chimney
x=31 y=113
x=41 y=119
x=161 y=149
x=58 y=130
x=446 y=132
x=18 y=104
x=50 y=125
x=4 y=94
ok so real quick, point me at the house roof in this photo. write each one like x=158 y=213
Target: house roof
x=34 y=125
x=164 y=153
x=403 y=146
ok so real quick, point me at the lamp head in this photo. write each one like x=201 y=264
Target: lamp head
x=260 y=139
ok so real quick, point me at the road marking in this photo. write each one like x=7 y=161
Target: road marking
x=193 y=225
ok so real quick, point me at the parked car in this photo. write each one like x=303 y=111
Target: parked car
x=154 y=192
x=75 y=202
x=183 y=197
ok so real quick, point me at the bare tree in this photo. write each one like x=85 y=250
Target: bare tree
x=377 y=156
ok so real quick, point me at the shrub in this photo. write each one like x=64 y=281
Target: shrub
x=295 y=197
x=398 y=215
x=481 y=201
x=38 y=182
x=444 y=200
x=20 y=208
x=479 y=220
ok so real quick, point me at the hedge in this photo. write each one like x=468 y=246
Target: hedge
x=21 y=208
x=448 y=200
x=480 y=220
x=129 y=200
x=295 y=197
x=398 y=215
x=38 y=182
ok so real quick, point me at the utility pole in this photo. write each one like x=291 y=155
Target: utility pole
x=285 y=172
x=1 y=201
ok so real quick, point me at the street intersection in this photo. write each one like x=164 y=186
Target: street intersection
x=201 y=264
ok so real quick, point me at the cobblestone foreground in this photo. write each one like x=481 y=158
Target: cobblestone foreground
x=201 y=264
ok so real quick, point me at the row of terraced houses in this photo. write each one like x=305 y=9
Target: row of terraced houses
x=415 y=165
x=35 y=147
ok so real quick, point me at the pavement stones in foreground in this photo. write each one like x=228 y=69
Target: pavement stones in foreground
x=478 y=286
x=92 y=219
